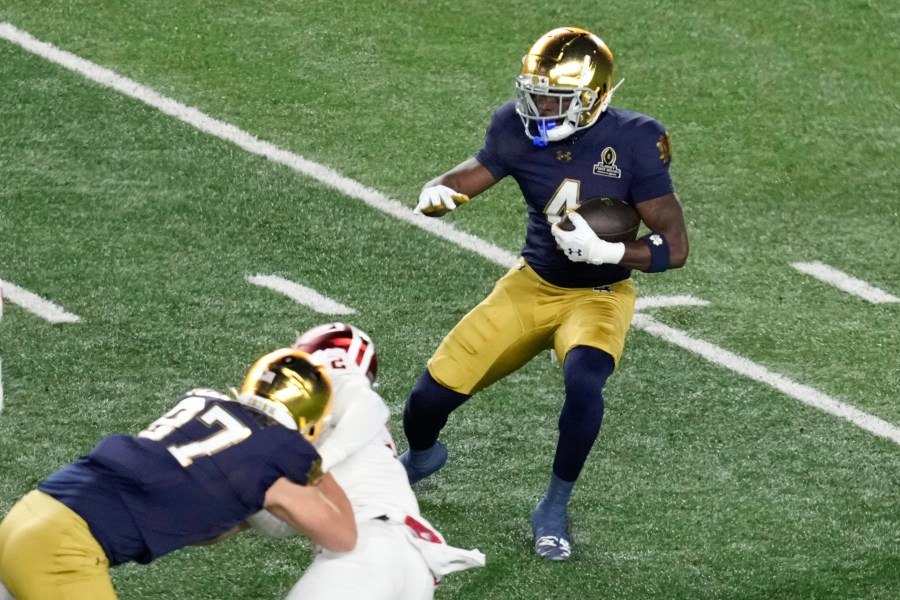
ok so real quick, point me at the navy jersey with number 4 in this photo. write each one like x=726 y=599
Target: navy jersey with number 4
x=192 y=475
x=624 y=155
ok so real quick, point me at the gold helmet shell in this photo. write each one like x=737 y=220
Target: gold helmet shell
x=565 y=85
x=288 y=377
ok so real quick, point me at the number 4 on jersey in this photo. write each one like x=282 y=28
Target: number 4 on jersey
x=564 y=199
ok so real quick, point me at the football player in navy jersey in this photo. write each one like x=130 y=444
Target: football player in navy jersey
x=571 y=292
x=191 y=477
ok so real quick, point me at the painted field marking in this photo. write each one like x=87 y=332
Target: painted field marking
x=224 y=131
x=742 y=366
x=34 y=304
x=301 y=294
x=667 y=301
x=845 y=282
x=375 y=199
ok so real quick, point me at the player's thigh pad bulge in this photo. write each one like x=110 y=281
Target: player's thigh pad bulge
x=601 y=319
x=494 y=338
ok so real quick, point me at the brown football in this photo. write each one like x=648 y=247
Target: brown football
x=611 y=219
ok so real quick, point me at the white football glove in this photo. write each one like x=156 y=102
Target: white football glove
x=438 y=200
x=582 y=244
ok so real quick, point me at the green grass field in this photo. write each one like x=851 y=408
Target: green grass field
x=705 y=484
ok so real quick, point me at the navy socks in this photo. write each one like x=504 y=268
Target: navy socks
x=585 y=371
x=426 y=411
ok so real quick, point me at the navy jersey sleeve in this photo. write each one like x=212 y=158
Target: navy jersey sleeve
x=652 y=156
x=499 y=148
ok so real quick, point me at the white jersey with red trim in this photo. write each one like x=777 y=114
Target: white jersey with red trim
x=358 y=450
x=398 y=555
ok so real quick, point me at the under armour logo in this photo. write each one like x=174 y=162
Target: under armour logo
x=573 y=252
x=656 y=239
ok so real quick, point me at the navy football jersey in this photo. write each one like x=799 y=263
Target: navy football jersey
x=192 y=475
x=624 y=155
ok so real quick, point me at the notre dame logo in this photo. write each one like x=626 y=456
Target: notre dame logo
x=665 y=147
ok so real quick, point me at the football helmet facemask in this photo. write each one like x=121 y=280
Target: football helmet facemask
x=565 y=85
x=288 y=379
x=341 y=346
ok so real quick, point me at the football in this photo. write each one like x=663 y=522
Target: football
x=611 y=219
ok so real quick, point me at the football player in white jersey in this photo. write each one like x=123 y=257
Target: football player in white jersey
x=399 y=555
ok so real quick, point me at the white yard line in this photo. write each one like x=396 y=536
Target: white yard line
x=325 y=175
x=667 y=301
x=36 y=305
x=845 y=282
x=742 y=366
x=375 y=199
x=301 y=294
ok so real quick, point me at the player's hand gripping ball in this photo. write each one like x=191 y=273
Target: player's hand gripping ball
x=611 y=219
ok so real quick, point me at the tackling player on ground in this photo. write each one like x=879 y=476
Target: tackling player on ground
x=571 y=292
x=192 y=476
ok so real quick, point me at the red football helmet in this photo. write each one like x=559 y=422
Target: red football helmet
x=355 y=344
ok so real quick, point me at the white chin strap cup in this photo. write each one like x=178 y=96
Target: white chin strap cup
x=559 y=132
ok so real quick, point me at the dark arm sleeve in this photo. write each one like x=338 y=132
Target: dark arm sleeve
x=652 y=156
x=491 y=154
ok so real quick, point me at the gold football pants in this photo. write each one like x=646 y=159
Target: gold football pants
x=524 y=315
x=47 y=552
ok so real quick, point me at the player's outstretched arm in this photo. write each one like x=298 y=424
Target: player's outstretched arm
x=321 y=511
x=445 y=192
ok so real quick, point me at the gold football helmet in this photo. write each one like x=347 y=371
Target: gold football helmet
x=289 y=379
x=565 y=84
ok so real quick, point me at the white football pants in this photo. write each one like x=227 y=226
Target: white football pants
x=383 y=566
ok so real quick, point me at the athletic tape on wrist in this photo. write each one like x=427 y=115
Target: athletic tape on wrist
x=659 y=251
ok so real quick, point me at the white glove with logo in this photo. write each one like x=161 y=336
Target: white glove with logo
x=438 y=200
x=582 y=244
